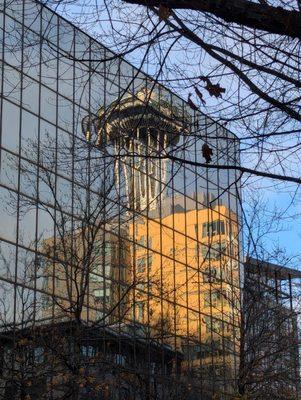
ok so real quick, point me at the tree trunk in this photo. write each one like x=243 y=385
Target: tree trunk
x=242 y=12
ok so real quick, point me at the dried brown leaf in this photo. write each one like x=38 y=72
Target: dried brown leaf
x=214 y=89
x=164 y=12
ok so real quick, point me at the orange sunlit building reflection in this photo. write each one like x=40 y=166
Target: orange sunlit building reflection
x=187 y=262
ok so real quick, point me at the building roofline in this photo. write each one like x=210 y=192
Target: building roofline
x=254 y=265
x=89 y=332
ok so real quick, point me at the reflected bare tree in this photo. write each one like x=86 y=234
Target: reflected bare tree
x=81 y=269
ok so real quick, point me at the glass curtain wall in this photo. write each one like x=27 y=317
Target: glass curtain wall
x=119 y=248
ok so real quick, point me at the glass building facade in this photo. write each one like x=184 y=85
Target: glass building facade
x=119 y=250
